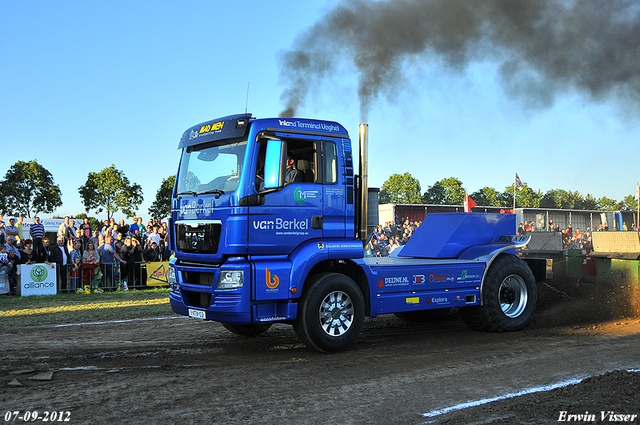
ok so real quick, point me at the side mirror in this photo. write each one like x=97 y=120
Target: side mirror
x=275 y=158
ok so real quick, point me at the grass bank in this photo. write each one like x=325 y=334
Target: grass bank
x=81 y=308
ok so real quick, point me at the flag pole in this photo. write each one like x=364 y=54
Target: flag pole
x=515 y=173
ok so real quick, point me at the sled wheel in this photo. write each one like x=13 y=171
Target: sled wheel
x=331 y=313
x=509 y=297
x=247 y=330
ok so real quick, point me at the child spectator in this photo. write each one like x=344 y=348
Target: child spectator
x=76 y=274
x=4 y=259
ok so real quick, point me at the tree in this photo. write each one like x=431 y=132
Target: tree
x=589 y=202
x=607 y=204
x=488 y=197
x=29 y=189
x=525 y=197
x=161 y=207
x=447 y=191
x=400 y=189
x=629 y=203
x=110 y=191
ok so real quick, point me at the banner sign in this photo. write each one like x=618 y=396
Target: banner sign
x=157 y=273
x=38 y=279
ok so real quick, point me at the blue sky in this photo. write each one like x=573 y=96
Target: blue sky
x=88 y=84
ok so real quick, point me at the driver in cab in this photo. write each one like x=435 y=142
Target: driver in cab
x=292 y=175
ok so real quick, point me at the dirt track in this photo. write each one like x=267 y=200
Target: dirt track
x=181 y=370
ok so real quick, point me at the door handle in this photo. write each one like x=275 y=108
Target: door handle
x=316 y=222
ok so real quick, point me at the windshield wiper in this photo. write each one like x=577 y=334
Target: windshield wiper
x=188 y=192
x=217 y=192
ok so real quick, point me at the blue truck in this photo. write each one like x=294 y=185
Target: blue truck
x=269 y=224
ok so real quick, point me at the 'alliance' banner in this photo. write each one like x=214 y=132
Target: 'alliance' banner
x=38 y=279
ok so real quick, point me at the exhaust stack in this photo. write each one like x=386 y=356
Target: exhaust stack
x=364 y=181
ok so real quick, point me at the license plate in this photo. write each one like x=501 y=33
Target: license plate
x=198 y=314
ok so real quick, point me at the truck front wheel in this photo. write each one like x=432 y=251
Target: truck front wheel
x=509 y=297
x=331 y=313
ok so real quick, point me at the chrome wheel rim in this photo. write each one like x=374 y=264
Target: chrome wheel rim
x=336 y=313
x=513 y=296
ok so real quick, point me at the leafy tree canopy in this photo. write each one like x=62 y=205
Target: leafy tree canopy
x=487 y=196
x=400 y=189
x=29 y=189
x=447 y=191
x=110 y=191
x=525 y=197
x=161 y=207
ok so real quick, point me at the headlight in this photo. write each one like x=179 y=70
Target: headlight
x=171 y=279
x=171 y=276
x=231 y=279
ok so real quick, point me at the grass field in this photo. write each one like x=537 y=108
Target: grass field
x=81 y=308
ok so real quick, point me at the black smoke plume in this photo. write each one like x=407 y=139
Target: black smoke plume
x=543 y=47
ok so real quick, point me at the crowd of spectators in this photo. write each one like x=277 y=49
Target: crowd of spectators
x=87 y=259
x=570 y=239
x=386 y=239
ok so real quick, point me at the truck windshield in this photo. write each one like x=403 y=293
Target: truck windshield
x=211 y=168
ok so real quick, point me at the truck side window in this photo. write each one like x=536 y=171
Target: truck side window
x=262 y=151
x=330 y=163
x=307 y=160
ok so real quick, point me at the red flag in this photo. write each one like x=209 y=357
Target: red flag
x=468 y=203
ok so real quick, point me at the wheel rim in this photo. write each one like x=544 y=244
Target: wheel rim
x=336 y=313
x=513 y=296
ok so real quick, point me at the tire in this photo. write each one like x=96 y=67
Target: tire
x=509 y=297
x=253 y=329
x=331 y=313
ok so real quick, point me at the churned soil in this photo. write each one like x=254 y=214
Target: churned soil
x=179 y=370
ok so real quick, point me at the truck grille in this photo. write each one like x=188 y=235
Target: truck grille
x=198 y=236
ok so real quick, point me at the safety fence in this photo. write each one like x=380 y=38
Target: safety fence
x=105 y=277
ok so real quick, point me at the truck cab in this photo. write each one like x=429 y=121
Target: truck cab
x=240 y=228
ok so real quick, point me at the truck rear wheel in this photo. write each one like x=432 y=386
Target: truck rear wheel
x=252 y=329
x=509 y=297
x=331 y=313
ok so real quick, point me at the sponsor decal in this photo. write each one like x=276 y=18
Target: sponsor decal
x=206 y=130
x=437 y=300
x=510 y=239
x=435 y=278
x=157 y=273
x=332 y=245
x=466 y=277
x=271 y=318
x=160 y=274
x=309 y=125
x=393 y=281
x=39 y=274
x=272 y=280
x=281 y=224
x=419 y=278
x=301 y=196
x=196 y=207
x=39 y=285
x=38 y=279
